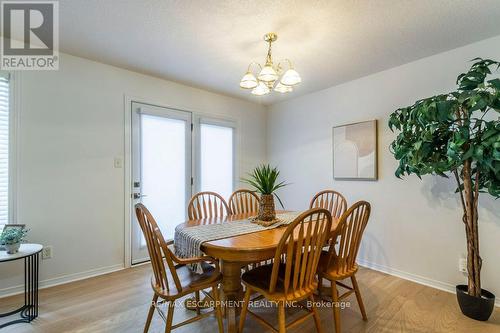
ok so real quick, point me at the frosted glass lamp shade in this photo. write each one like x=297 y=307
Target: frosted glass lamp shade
x=268 y=74
x=282 y=88
x=261 y=89
x=248 y=81
x=290 y=78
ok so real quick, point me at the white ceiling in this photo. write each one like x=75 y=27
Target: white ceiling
x=208 y=44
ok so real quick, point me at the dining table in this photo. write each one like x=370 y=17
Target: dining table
x=234 y=253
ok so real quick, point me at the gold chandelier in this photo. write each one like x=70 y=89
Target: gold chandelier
x=269 y=76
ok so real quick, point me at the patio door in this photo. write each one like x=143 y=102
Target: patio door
x=161 y=169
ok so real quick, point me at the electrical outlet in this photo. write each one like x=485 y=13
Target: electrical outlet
x=47 y=252
x=462 y=265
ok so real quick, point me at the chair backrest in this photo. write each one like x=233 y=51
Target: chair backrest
x=350 y=230
x=157 y=248
x=207 y=205
x=330 y=200
x=299 y=251
x=243 y=201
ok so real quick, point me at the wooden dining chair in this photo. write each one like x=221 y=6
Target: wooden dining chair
x=171 y=282
x=339 y=262
x=292 y=276
x=243 y=201
x=330 y=200
x=207 y=205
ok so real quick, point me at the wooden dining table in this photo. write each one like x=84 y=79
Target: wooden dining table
x=235 y=253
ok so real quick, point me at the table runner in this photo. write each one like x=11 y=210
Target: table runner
x=188 y=240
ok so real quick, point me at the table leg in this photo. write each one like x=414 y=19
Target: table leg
x=29 y=310
x=233 y=292
x=31 y=287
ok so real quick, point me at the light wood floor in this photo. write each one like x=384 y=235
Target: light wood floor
x=118 y=302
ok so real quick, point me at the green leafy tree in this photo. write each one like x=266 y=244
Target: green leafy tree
x=450 y=134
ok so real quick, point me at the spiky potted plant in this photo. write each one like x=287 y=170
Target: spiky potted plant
x=264 y=180
x=450 y=134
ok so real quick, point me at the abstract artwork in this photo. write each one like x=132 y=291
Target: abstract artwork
x=355 y=151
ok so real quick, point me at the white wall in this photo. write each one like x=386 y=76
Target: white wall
x=415 y=229
x=71 y=129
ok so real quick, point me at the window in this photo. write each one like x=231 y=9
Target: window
x=217 y=157
x=4 y=149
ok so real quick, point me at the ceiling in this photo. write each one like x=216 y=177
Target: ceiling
x=208 y=44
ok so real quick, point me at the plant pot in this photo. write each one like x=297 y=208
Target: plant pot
x=12 y=248
x=478 y=308
x=266 y=208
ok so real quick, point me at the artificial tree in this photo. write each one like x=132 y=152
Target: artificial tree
x=451 y=134
x=264 y=179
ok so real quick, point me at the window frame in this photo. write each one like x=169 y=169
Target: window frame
x=14 y=103
x=198 y=120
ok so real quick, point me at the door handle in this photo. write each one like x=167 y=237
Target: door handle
x=138 y=195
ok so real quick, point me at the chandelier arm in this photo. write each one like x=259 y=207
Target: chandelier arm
x=290 y=63
x=253 y=63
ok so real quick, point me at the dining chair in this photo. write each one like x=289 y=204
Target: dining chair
x=243 y=201
x=330 y=200
x=207 y=205
x=339 y=262
x=171 y=282
x=292 y=276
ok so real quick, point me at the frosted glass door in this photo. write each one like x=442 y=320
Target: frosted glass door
x=162 y=172
x=217 y=159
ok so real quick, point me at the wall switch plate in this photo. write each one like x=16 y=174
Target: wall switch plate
x=47 y=252
x=118 y=163
x=462 y=265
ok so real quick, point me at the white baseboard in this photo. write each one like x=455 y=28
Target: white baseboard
x=14 y=290
x=414 y=278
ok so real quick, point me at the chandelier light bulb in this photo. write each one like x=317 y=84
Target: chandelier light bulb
x=268 y=74
x=282 y=88
x=261 y=89
x=248 y=81
x=290 y=78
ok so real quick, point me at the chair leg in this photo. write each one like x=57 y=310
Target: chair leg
x=244 y=308
x=336 y=308
x=218 y=310
x=150 y=313
x=317 y=320
x=320 y=285
x=281 y=317
x=358 y=297
x=197 y=299
x=170 y=317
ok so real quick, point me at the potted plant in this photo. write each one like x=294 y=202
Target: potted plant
x=11 y=239
x=449 y=134
x=265 y=181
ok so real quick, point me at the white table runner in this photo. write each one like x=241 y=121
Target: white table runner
x=188 y=240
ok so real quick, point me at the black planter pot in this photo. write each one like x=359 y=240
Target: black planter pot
x=478 y=308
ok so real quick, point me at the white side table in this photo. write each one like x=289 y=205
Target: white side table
x=31 y=255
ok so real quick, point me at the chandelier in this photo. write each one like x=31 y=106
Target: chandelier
x=271 y=76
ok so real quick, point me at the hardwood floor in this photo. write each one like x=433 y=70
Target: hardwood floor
x=118 y=302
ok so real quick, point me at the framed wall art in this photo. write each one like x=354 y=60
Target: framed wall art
x=355 y=151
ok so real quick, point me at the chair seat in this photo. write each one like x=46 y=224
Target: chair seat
x=189 y=280
x=259 y=279
x=336 y=270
